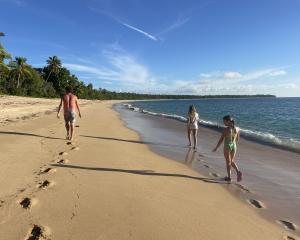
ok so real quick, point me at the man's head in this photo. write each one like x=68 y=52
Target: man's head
x=68 y=89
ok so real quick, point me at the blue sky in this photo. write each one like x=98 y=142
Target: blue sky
x=163 y=46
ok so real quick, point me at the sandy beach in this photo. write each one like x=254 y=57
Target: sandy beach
x=108 y=184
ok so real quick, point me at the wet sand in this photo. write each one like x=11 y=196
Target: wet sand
x=271 y=176
x=109 y=185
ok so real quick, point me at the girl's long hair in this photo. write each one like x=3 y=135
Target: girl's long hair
x=192 y=111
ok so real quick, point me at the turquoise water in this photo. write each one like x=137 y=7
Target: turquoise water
x=274 y=121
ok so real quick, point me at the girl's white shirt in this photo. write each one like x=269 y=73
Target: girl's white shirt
x=193 y=123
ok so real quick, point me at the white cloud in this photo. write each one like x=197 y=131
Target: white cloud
x=232 y=75
x=205 y=75
x=99 y=71
x=235 y=77
x=128 y=68
x=233 y=82
x=122 y=67
x=278 y=73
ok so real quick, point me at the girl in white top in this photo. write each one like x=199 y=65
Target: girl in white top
x=192 y=125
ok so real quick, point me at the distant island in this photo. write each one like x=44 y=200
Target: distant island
x=17 y=77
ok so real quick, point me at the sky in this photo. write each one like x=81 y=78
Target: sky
x=199 y=47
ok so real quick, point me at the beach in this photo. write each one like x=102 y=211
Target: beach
x=110 y=184
x=271 y=174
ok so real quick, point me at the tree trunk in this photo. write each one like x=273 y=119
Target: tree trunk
x=18 y=80
x=48 y=76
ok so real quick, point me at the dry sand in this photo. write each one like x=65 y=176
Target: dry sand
x=109 y=185
x=14 y=109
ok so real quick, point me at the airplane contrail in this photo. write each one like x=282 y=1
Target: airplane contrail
x=140 y=31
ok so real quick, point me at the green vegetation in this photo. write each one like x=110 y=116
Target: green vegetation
x=19 y=78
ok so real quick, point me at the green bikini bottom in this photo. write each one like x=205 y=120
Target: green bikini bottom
x=230 y=146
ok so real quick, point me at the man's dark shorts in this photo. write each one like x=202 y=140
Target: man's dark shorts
x=70 y=116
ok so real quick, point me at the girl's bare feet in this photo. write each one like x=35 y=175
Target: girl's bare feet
x=227 y=179
x=239 y=176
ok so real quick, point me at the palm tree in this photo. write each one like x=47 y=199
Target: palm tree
x=3 y=68
x=54 y=64
x=3 y=55
x=19 y=70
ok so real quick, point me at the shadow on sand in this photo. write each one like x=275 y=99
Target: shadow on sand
x=141 y=172
x=30 y=135
x=135 y=141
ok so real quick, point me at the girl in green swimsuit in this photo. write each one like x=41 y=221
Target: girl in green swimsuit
x=230 y=136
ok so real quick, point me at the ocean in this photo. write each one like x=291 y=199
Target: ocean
x=273 y=121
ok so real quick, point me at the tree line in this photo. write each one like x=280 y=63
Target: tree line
x=17 y=77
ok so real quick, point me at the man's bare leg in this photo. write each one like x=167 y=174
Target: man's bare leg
x=68 y=130
x=71 y=131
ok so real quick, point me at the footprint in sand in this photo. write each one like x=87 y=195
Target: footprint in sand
x=48 y=112
x=288 y=225
x=25 y=203
x=63 y=161
x=256 y=203
x=47 y=170
x=45 y=184
x=214 y=174
x=38 y=233
x=243 y=188
x=63 y=153
x=1 y=203
x=207 y=166
x=290 y=238
x=75 y=148
x=77 y=126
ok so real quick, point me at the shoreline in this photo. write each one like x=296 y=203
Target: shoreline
x=204 y=162
x=250 y=135
x=109 y=185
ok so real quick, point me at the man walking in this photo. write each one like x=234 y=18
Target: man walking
x=70 y=103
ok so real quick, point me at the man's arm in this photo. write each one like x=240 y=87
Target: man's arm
x=76 y=102
x=59 y=107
